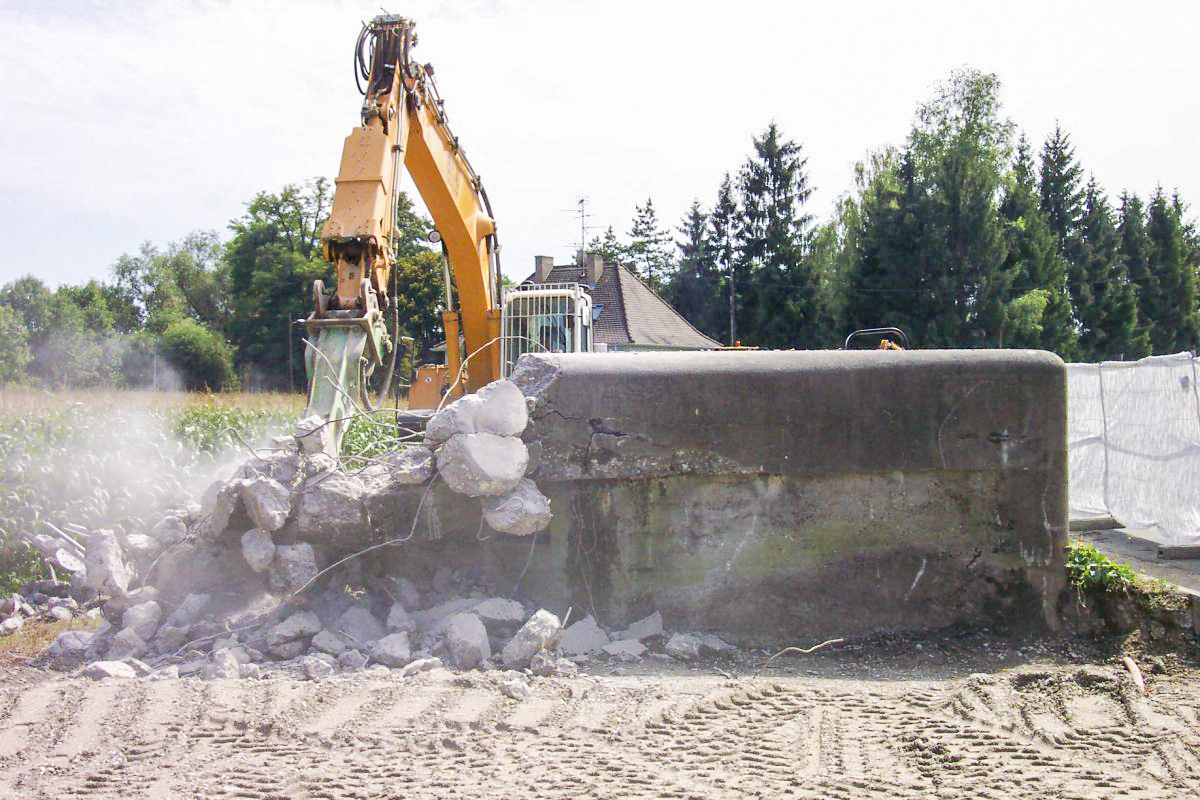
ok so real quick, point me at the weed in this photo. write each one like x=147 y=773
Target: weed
x=1090 y=570
x=1158 y=595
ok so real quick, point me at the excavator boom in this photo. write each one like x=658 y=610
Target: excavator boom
x=403 y=125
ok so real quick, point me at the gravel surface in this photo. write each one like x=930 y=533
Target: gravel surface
x=941 y=718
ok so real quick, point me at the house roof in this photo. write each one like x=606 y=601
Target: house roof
x=630 y=311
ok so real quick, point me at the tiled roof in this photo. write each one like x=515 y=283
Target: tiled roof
x=630 y=312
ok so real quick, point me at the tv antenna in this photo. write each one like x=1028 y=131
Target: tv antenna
x=581 y=212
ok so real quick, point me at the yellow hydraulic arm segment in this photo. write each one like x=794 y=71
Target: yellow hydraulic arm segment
x=403 y=123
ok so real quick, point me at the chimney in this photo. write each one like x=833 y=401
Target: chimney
x=541 y=268
x=594 y=263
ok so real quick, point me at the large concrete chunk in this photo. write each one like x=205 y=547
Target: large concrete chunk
x=107 y=572
x=360 y=626
x=501 y=409
x=143 y=619
x=540 y=632
x=314 y=434
x=410 y=466
x=169 y=530
x=293 y=567
x=219 y=503
x=99 y=670
x=499 y=612
x=189 y=610
x=281 y=464
x=392 y=650
x=583 y=637
x=126 y=644
x=287 y=639
x=454 y=418
x=331 y=505
x=482 y=464
x=68 y=648
x=467 y=641
x=267 y=501
x=258 y=549
x=645 y=628
x=522 y=511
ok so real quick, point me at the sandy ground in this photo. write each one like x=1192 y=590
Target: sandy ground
x=939 y=719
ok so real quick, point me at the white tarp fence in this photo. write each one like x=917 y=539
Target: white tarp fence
x=1133 y=443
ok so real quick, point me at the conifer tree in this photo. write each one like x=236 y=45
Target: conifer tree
x=695 y=288
x=1062 y=204
x=1038 y=313
x=608 y=247
x=648 y=253
x=1135 y=257
x=1172 y=299
x=892 y=281
x=724 y=222
x=773 y=239
x=1108 y=320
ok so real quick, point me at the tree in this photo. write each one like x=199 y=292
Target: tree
x=14 y=347
x=1172 y=299
x=190 y=279
x=932 y=251
x=92 y=301
x=1039 y=272
x=891 y=281
x=1135 y=257
x=695 y=288
x=1062 y=204
x=273 y=259
x=1108 y=320
x=962 y=145
x=202 y=359
x=724 y=222
x=609 y=247
x=773 y=242
x=648 y=252
x=1061 y=193
x=420 y=300
x=64 y=351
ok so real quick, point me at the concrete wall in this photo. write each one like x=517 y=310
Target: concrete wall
x=780 y=495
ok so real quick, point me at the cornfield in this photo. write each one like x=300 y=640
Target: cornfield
x=113 y=459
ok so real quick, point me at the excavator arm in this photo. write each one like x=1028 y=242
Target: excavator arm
x=403 y=124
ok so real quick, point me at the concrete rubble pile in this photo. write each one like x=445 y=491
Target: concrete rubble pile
x=250 y=580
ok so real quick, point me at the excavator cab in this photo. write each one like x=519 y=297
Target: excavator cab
x=545 y=318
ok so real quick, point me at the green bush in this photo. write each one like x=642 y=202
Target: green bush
x=201 y=357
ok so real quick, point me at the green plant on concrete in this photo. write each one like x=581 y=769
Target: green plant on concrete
x=1090 y=570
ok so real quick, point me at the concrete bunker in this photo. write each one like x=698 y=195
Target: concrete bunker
x=767 y=496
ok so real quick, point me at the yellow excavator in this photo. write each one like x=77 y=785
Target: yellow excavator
x=404 y=124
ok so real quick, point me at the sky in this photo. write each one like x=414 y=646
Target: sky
x=139 y=121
